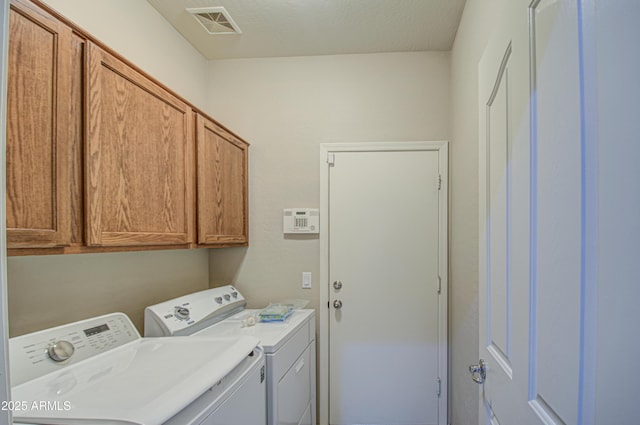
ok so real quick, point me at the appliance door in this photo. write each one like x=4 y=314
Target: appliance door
x=294 y=391
x=240 y=398
x=246 y=405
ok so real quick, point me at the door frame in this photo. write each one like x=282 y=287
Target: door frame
x=442 y=148
x=5 y=390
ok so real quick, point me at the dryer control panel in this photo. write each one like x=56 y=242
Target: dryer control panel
x=190 y=313
x=39 y=353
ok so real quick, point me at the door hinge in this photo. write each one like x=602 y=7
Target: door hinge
x=439 y=284
x=439 y=386
x=439 y=181
x=331 y=158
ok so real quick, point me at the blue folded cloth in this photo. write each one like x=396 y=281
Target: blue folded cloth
x=276 y=312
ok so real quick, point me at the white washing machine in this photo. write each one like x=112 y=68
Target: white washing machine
x=100 y=371
x=289 y=345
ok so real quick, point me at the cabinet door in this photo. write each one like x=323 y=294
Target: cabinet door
x=38 y=129
x=138 y=176
x=222 y=186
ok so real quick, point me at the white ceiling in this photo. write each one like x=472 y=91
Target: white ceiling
x=275 y=28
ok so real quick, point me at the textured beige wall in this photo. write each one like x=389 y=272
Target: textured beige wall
x=50 y=290
x=286 y=107
x=477 y=20
x=138 y=32
x=46 y=291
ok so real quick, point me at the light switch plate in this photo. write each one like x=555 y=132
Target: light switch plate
x=306 y=280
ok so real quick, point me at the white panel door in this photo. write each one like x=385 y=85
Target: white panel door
x=384 y=252
x=531 y=216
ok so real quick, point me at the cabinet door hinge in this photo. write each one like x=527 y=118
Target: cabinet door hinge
x=439 y=386
x=331 y=158
x=439 y=284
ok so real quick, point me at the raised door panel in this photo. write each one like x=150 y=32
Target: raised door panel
x=222 y=185
x=38 y=129
x=557 y=212
x=138 y=177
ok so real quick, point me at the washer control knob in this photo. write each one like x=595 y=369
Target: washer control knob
x=227 y=297
x=182 y=313
x=234 y=294
x=60 y=351
x=219 y=300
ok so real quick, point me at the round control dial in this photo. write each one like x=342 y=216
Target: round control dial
x=60 y=351
x=181 y=313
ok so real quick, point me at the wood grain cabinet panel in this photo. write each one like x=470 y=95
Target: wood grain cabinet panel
x=222 y=185
x=138 y=158
x=38 y=129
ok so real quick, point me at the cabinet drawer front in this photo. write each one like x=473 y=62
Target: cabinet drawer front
x=139 y=183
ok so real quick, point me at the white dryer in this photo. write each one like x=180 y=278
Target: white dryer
x=289 y=346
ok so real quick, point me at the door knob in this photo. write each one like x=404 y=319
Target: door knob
x=337 y=285
x=478 y=372
x=337 y=304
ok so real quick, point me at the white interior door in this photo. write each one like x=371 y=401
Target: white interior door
x=384 y=312
x=531 y=216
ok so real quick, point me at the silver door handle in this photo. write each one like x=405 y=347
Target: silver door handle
x=478 y=372
x=337 y=285
x=337 y=304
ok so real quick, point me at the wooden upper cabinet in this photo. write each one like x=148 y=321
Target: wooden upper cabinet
x=101 y=157
x=138 y=158
x=38 y=129
x=222 y=185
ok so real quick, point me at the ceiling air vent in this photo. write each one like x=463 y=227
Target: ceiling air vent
x=215 y=20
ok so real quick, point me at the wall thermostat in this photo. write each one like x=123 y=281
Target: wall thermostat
x=301 y=220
